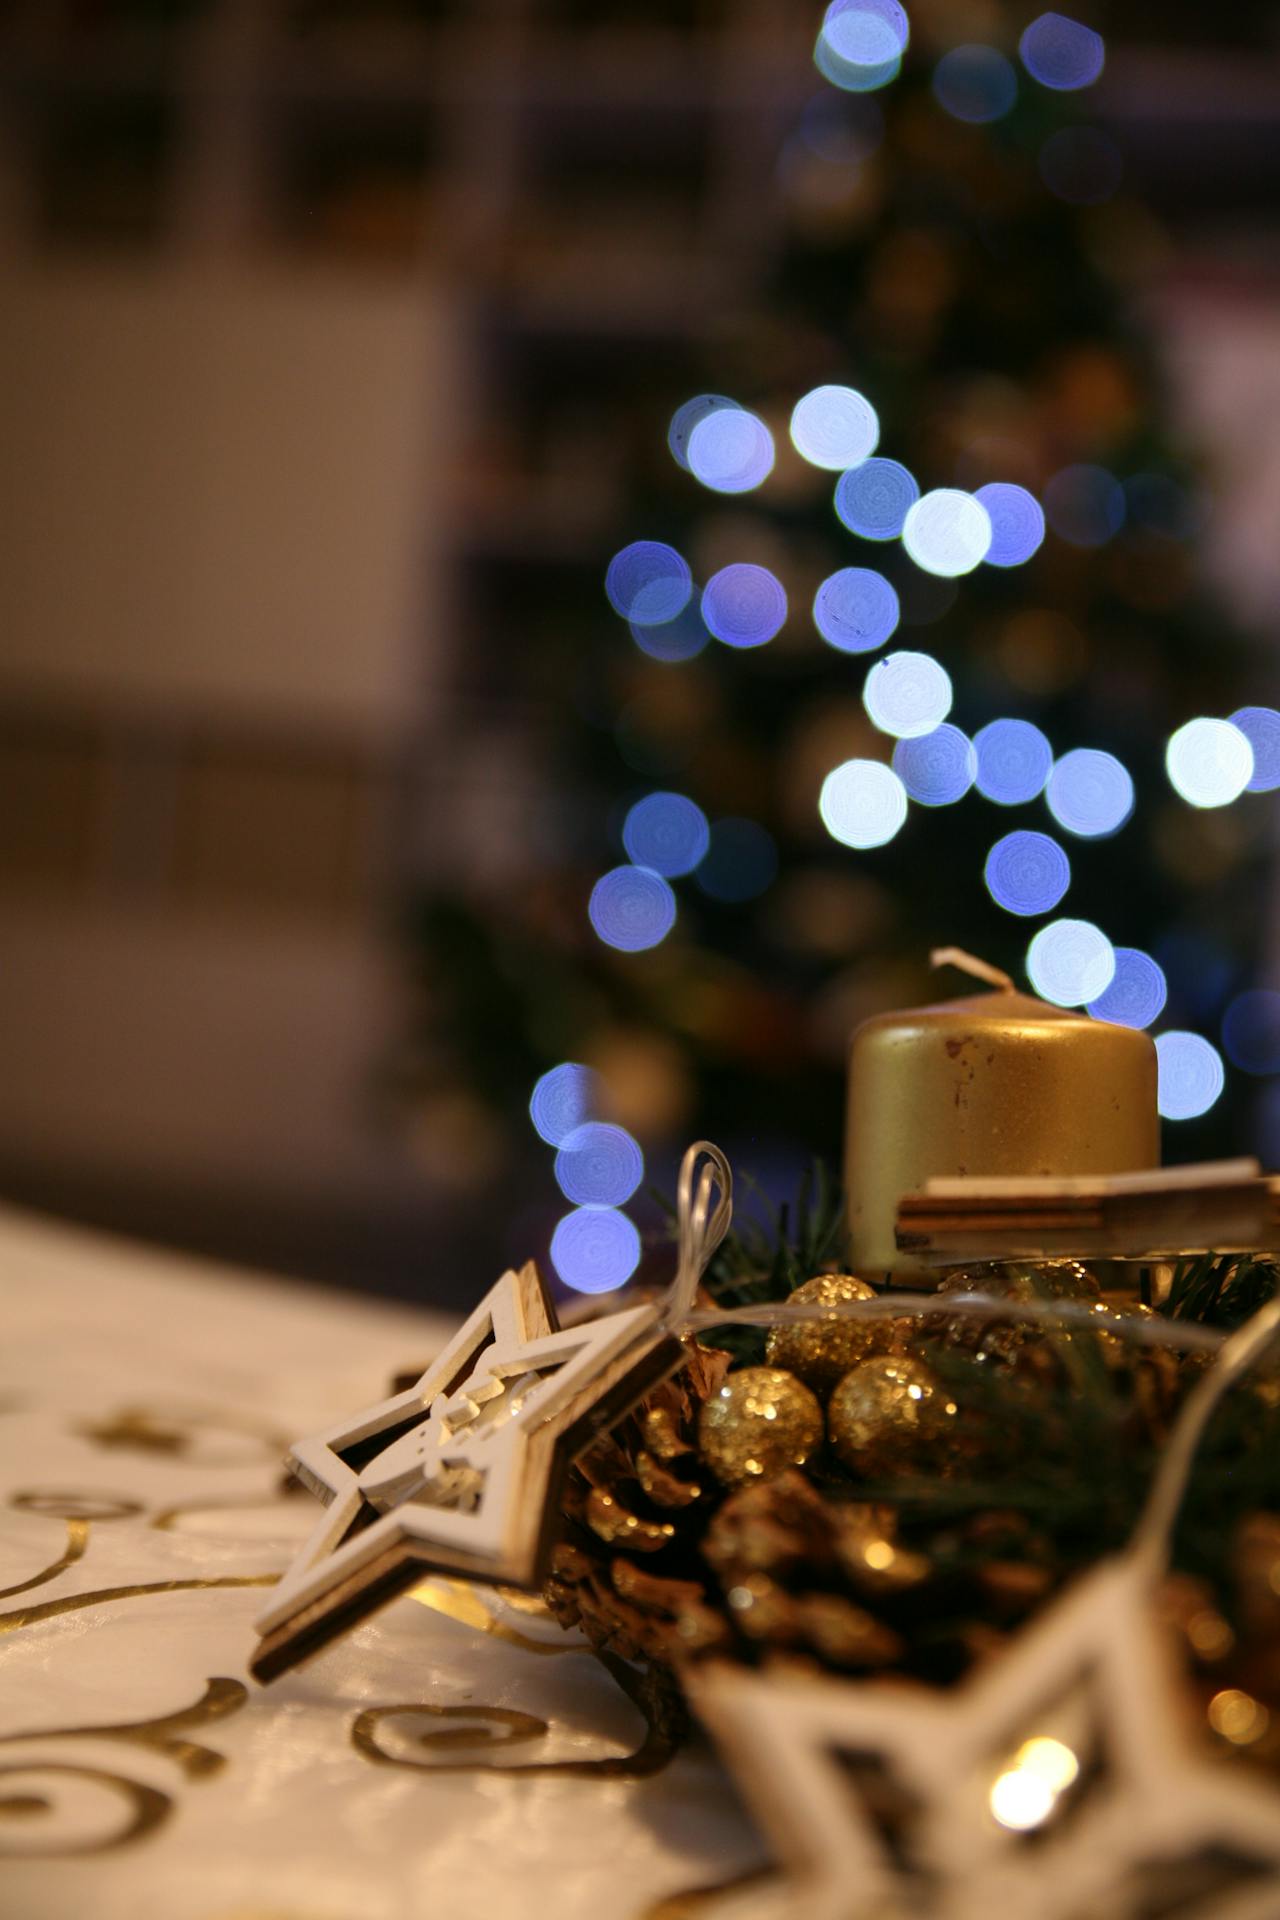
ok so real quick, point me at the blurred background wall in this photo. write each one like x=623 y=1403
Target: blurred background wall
x=323 y=327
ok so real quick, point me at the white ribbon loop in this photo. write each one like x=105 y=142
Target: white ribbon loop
x=701 y=1227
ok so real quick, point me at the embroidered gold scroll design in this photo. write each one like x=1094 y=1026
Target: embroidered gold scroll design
x=494 y=1727
x=144 y=1807
x=192 y=1435
x=102 y=1596
x=77 y=1510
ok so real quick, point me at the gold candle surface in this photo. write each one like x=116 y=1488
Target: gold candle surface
x=998 y=1083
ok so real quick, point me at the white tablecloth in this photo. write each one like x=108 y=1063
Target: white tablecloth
x=145 y=1401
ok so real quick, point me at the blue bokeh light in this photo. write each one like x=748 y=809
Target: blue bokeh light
x=648 y=583
x=976 y=84
x=1062 y=53
x=744 y=605
x=632 y=908
x=907 y=694
x=1189 y=1075
x=1261 y=728
x=861 y=43
x=731 y=451
x=863 y=803
x=867 y=32
x=599 y=1165
x=947 y=532
x=668 y=832
x=1070 y=962
x=1081 y=165
x=1089 y=793
x=1137 y=993
x=1027 y=873
x=848 y=75
x=671 y=640
x=856 y=610
x=873 y=499
x=1251 y=1031
x=834 y=427
x=690 y=415
x=595 y=1249
x=741 y=862
x=1017 y=523
x=1085 y=505
x=1209 y=762
x=937 y=768
x=1014 y=759
x=562 y=1100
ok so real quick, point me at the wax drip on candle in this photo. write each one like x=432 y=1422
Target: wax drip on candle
x=969 y=963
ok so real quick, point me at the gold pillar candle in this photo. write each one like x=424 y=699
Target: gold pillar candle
x=996 y=1083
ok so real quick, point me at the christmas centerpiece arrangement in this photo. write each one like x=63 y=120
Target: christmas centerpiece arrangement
x=972 y=1570
x=949 y=1507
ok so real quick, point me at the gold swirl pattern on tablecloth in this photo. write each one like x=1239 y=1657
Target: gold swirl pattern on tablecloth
x=141 y=1806
x=77 y=1510
x=74 y=1602
x=144 y=1808
x=183 y=1433
x=505 y=1726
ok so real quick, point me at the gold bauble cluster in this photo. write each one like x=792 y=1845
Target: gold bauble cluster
x=887 y=1411
x=821 y=1351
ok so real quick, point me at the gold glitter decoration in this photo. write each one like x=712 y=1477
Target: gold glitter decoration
x=757 y=1424
x=891 y=1416
x=999 y=1341
x=821 y=1352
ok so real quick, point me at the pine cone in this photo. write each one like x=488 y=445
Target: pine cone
x=660 y=1563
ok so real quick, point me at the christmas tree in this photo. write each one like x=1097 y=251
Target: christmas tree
x=905 y=631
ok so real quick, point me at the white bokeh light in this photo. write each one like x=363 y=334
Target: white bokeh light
x=1209 y=762
x=1090 y=793
x=730 y=451
x=947 y=532
x=1190 y=1075
x=907 y=694
x=834 y=427
x=1071 y=962
x=863 y=803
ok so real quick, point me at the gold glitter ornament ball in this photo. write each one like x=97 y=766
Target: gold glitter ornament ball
x=761 y=1421
x=1006 y=1340
x=890 y=1415
x=821 y=1352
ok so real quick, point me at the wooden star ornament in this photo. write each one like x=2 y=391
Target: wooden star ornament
x=460 y=1473
x=1058 y=1784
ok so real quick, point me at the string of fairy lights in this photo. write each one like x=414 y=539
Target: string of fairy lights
x=907 y=694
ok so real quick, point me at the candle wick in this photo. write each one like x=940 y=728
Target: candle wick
x=969 y=963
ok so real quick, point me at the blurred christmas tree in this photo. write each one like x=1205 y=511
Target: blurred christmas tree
x=778 y=788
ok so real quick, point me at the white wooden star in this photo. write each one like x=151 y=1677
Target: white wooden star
x=459 y=1474
x=1057 y=1784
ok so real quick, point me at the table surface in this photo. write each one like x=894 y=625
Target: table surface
x=145 y=1404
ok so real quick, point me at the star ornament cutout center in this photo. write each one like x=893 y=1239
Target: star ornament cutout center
x=1057 y=1784
x=460 y=1473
